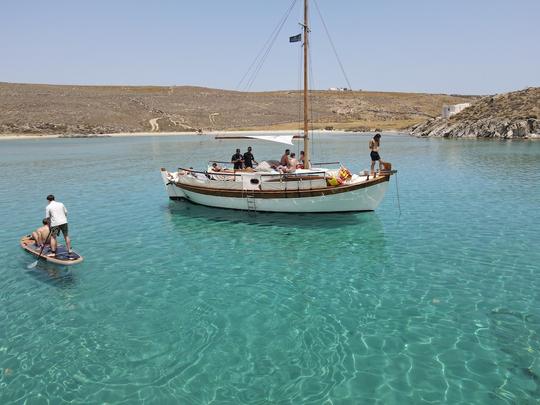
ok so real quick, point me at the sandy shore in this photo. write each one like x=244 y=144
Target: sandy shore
x=132 y=134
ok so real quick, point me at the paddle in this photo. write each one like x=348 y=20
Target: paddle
x=34 y=264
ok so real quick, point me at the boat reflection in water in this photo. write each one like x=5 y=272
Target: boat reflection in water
x=359 y=228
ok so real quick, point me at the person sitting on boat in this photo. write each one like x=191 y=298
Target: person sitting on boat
x=238 y=160
x=249 y=159
x=300 y=164
x=41 y=235
x=56 y=212
x=284 y=161
x=216 y=167
x=374 y=145
x=293 y=163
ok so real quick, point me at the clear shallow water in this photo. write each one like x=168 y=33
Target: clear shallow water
x=178 y=303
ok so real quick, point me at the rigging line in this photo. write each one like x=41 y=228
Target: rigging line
x=269 y=48
x=299 y=88
x=332 y=44
x=266 y=44
x=397 y=192
x=311 y=98
x=263 y=59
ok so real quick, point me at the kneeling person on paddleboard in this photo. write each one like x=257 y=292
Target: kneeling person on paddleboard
x=57 y=214
x=41 y=235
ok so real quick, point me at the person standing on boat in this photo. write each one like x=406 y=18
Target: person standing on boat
x=301 y=159
x=237 y=159
x=374 y=145
x=56 y=212
x=249 y=159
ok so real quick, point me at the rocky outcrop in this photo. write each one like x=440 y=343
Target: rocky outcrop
x=506 y=116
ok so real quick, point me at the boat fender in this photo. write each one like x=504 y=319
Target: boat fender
x=334 y=181
x=344 y=173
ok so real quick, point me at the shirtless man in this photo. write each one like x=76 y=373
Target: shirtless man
x=41 y=234
x=284 y=161
x=293 y=162
x=374 y=154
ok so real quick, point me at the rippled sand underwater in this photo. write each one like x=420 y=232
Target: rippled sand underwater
x=178 y=303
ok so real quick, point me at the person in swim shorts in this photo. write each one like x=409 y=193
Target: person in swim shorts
x=56 y=212
x=374 y=145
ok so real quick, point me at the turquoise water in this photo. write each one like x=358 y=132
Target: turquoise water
x=177 y=303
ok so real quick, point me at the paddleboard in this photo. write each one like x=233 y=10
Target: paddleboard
x=62 y=256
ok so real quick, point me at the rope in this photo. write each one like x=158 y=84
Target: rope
x=259 y=60
x=311 y=96
x=397 y=191
x=300 y=95
x=332 y=44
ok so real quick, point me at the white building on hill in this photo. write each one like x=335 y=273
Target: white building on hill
x=449 y=110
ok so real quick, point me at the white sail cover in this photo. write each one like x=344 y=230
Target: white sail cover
x=286 y=139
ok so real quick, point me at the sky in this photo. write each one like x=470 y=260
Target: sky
x=433 y=46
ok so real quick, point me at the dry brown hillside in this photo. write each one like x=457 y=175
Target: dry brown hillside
x=55 y=109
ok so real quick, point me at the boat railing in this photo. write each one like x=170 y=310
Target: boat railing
x=282 y=176
x=326 y=163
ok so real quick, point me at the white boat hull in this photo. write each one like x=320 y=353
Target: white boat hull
x=344 y=199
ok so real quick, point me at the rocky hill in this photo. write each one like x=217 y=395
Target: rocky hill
x=508 y=115
x=55 y=109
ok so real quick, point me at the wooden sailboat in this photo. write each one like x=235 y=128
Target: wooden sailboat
x=306 y=189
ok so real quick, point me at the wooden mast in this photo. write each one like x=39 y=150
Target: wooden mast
x=306 y=107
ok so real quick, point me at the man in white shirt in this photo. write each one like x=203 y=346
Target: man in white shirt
x=57 y=214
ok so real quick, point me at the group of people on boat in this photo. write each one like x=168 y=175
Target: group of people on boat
x=55 y=221
x=243 y=161
x=288 y=162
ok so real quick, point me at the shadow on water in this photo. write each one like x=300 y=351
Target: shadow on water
x=51 y=274
x=187 y=209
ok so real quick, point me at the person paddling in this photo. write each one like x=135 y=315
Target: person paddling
x=57 y=214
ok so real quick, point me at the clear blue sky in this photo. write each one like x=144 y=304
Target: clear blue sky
x=470 y=47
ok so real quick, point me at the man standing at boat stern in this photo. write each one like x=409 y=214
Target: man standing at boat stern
x=57 y=214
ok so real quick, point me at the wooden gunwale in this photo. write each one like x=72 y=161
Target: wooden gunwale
x=268 y=194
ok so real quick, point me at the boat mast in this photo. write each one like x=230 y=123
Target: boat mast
x=306 y=129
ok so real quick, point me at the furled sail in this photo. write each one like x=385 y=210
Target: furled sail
x=286 y=139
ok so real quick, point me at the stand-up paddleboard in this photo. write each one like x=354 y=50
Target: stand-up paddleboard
x=62 y=256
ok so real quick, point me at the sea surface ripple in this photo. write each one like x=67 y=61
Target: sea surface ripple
x=433 y=298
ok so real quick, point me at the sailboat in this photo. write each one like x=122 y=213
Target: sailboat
x=268 y=188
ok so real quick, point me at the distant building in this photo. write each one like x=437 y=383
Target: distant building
x=449 y=110
x=339 y=89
